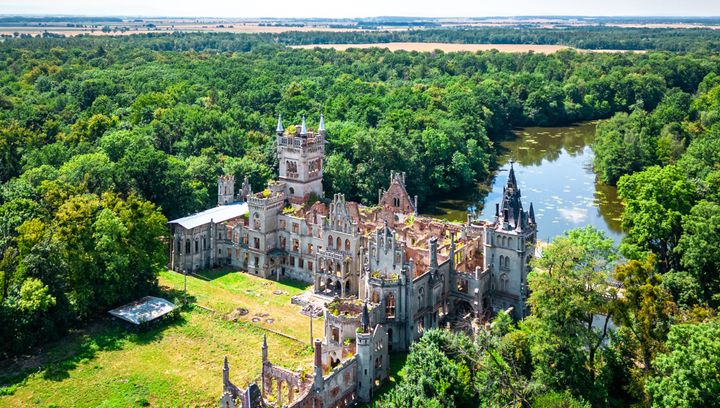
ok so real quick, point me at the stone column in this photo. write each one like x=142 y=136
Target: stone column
x=279 y=393
x=343 y=270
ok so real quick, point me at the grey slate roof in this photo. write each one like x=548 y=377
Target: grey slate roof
x=217 y=214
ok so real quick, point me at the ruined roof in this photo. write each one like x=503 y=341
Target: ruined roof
x=353 y=210
x=220 y=213
x=143 y=310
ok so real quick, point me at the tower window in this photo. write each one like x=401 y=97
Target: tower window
x=390 y=305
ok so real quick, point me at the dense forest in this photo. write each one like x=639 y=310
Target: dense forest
x=594 y=38
x=104 y=139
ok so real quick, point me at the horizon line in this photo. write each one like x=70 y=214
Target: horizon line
x=593 y=16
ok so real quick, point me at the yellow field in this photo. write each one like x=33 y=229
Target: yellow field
x=173 y=365
x=165 y=27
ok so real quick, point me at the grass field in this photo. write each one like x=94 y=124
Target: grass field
x=176 y=364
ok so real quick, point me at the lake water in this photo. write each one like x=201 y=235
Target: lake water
x=553 y=167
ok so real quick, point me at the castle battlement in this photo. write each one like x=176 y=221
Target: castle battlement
x=262 y=200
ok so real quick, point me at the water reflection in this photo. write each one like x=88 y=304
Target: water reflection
x=554 y=170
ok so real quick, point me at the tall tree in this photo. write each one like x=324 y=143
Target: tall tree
x=571 y=300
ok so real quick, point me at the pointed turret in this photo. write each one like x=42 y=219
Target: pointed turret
x=280 y=128
x=303 y=127
x=321 y=126
x=226 y=373
x=532 y=214
x=365 y=318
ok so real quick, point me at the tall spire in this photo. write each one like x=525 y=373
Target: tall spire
x=303 y=128
x=321 y=127
x=365 y=318
x=226 y=373
x=511 y=205
x=511 y=177
x=280 y=129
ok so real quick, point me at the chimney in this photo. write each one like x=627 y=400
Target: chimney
x=318 y=365
x=264 y=349
x=318 y=353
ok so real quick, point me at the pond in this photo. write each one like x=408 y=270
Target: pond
x=553 y=167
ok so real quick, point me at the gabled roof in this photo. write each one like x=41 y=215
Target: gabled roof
x=220 y=213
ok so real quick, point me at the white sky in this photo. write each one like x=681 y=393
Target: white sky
x=364 y=8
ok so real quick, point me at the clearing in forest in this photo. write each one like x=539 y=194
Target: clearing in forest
x=178 y=363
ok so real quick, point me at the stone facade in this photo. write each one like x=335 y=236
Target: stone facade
x=384 y=273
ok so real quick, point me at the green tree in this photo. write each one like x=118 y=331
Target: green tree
x=698 y=246
x=571 y=301
x=439 y=373
x=623 y=145
x=655 y=201
x=35 y=296
x=644 y=312
x=688 y=375
x=338 y=175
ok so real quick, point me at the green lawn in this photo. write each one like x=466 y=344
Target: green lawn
x=177 y=364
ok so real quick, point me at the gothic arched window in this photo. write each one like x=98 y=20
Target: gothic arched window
x=390 y=305
x=347 y=245
x=330 y=241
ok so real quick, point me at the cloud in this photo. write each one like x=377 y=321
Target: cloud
x=573 y=215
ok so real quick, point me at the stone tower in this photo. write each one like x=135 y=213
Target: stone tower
x=226 y=189
x=300 y=156
x=363 y=341
x=509 y=247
